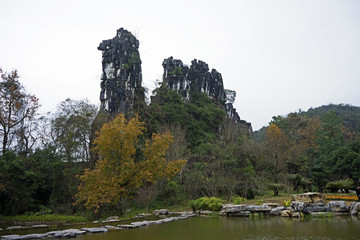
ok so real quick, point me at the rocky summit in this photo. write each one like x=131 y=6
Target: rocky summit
x=121 y=73
x=121 y=80
x=198 y=77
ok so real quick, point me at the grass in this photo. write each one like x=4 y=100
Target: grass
x=270 y=198
x=45 y=218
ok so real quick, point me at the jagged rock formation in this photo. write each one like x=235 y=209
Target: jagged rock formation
x=121 y=78
x=121 y=73
x=197 y=77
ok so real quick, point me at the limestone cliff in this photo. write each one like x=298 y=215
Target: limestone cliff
x=121 y=89
x=121 y=73
x=197 y=77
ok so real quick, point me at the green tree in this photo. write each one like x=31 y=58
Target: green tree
x=17 y=110
x=329 y=138
x=71 y=129
x=31 y=182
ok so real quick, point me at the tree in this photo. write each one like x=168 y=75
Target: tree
x=71 y=127
x=122 y=168
x=31 y=182
x=329 y=138
x=17 y=110
x=277 y=152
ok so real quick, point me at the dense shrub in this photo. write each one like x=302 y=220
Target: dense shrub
x=342 y=185
x=206 y=203
x=238 y=200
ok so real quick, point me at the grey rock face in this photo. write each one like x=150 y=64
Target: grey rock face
x=338 y=206
x=198 y=78
x=271 y=205
x=355 y=209
x=234 y=210
x=161 y=212
x=314 y=208
x=121 y=73
x=297 y=206
x=257 y=209
x=276 y=211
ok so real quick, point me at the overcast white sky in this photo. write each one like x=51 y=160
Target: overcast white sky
x=278 y=55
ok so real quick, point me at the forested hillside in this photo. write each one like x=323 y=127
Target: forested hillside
x=164 y=154
x=350 y=116
x=321 y=146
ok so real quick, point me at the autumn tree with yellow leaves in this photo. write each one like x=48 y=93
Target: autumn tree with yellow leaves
x=277 y=149
x=122 y=168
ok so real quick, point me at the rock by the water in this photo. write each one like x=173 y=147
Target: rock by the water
x=126 y=226
x=289 y=213
x=205 y=212
x=310 y=197
x=276 y=211
x=111 y=219
x=95 y=230
x=286 y=213
x=161 y=212
x=337 y=206
x=14 y=227
x=11 y=237
x=66 y=233
x=165 y=220
x=40 y=226
x=234 y=210
x=297 y=206
x=34 y=236
x=109 y=227
x=308 y=210
x=140 y=224
x=254 y=208
x=271 y=205
x=295 y=214
x=141 y=215
x=355 y=209
x=28 y=236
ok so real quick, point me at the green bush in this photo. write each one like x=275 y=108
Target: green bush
x=343 y=185
x=206 y=203
x=238 y=200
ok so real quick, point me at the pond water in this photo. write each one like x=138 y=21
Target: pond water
x=263 y=228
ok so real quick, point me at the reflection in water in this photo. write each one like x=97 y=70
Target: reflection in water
x=212 y=228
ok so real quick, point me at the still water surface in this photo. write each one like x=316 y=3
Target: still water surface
x=214 y=228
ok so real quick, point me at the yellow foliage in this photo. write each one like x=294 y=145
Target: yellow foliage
x=117 y=173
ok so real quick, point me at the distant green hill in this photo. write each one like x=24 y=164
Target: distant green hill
x=349 y=114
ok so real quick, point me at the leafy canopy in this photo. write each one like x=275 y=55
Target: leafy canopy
x=118 y=172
